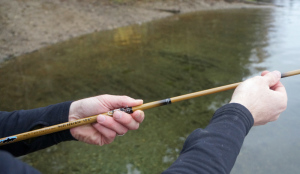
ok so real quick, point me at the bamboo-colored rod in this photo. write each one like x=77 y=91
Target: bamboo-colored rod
x=148 y=105
x=53 y=129
x=93 y=119
x=290 y=73
x=205 y=92
x=187 y=96
x=49 y=130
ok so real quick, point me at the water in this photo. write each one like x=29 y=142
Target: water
x=274 y=148
x=157 y=60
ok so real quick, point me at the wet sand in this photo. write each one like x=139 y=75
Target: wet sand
x=28 y=25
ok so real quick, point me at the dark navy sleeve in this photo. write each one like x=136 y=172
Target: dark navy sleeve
x=215 y=148
x=9 y=164
x=16 y=122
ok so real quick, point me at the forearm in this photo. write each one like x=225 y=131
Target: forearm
x=9 y=164
x=215 y=148
x=16 y=122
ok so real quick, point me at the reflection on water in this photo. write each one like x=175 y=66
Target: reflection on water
x=127 y=36
x=131 y=169
x=166 y=58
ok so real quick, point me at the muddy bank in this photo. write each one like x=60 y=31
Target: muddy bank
x=28 y=25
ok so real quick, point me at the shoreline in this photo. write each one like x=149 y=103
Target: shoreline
x=27 y=26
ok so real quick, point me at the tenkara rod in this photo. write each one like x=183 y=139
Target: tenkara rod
x=93 y=119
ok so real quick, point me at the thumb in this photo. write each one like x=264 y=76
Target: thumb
x=120 y=101
x=272 y=78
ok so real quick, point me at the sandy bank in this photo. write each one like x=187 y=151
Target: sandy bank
x=28 y=25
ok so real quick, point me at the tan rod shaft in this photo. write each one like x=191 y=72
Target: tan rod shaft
x=93 y=119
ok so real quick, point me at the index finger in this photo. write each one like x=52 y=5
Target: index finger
x=278 y=86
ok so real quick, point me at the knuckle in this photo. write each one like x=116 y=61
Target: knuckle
x=257 y=78
x=125 y=97
x=282 y=107
x=104 y=96
x=111 y=136
x=126 y=121
x=125 y=100
x=275 y=118
x=109 y=124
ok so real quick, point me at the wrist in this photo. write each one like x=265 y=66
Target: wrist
x=235 y=112
x=74 y=109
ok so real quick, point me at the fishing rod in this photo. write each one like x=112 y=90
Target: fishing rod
x=129 y=110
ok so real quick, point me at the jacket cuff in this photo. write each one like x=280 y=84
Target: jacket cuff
x=235 y=110
x=65 y=135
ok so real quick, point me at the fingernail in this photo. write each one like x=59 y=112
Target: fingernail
x=139 y=100
x=101 y=118
x=117 y=115
x=139 y=115
x=277 y=73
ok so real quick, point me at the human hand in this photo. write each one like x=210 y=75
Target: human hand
x=264 y=96
x=106 y=128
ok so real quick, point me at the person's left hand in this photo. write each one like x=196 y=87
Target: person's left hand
x=105 y=130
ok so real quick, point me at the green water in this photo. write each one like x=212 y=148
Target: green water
x=153 y=61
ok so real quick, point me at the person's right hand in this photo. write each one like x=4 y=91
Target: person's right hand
x=264 y=96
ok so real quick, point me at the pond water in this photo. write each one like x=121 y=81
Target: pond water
x=157 y=60
x=275 y=147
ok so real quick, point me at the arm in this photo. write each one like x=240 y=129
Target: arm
x=256 y=101
x=9 y=164
x=16 y=122
x=215 y=148
x=100 y=133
